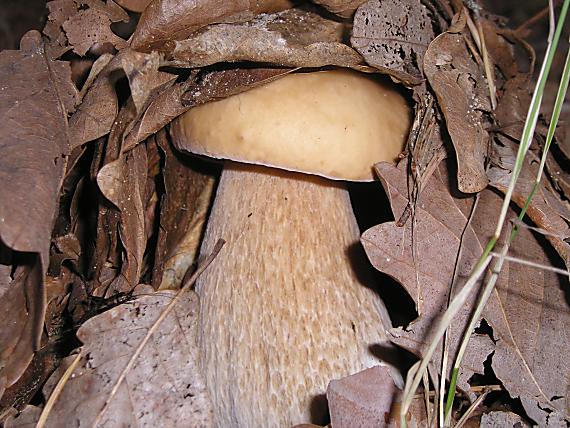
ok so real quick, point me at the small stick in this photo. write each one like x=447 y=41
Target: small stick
x=201 y=268
x=57 y=392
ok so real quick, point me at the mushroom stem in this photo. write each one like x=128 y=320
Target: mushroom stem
x=283 y=310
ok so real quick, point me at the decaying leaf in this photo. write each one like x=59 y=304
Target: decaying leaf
x=217 y=85
x=426 y=261
x=183 y=214
x=512 y=106
x=144 y=77
x=498 y=419
x=167 y=20
x=527 y=311
x=123 y=182
x=164 y=107
x=546 y=210
x=393 y=36
x=133 y=5
x=462 y=93
x=97 y=113
x=369 y=399
x=94 y=117
x=292 y=38
x=89 y=27
x=37 y=94
x=22 y=308
x=164 y=388
x=343 y=8
x=84 y=24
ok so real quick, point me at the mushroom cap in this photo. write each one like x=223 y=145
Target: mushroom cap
x=336 y=124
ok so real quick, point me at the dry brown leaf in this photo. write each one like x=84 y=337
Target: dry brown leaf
x=83 y=24
x=36 y=96
x=90 y=27
x=462 y=92
x=528 y=311
x=292 y=38
x=59 y=12
x=393 y=35
x=217 y=85
x=133 y=5
x=122 y=180
x=22 y=308
x=162 y=109
x=144 y=77
x=166 y=20
x=530 y=317
x=96 y=67
x=499 y=419
x=546 y=210
x=96 y=114
x=500 y=49
x=183 y=212
x=369 y=399
x=512 y=106
x=164 y=388
x=343 y=8
x=425 y=263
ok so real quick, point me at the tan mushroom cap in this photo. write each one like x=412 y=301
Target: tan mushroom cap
x=336 y=124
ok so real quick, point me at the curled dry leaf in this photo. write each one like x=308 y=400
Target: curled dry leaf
x=343 y=8
x=217 y=85
x=133 y=5
x=122 y=180
x=22 y=308
x=164 y=388
x=184 y=209
x=96 y=114
x=527 y=311
x=459 y=84
x=161 y=110
x=393 y=35
x=166 y=20
x=210 y=86
x=369 y=399
x=292 y=38
x=144 y=77
x=97 y=67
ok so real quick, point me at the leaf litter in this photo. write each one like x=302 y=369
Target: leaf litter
x=120 y=207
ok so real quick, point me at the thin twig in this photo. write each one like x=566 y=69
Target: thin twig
x=201 y=268
x=57 y=392
x=471 y=409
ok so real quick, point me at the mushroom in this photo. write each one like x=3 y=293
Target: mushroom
x=282 y=309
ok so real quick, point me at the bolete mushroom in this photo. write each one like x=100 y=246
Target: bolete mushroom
x=282 y=309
